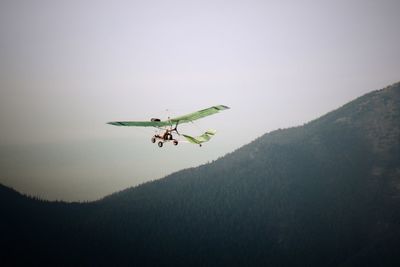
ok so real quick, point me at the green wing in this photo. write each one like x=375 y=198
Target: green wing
x=178 y=120
x=141 y=123
x=199 y=114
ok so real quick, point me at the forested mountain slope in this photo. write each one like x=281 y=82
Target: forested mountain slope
x=326 y=193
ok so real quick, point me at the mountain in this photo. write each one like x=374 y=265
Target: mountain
x=323 y=194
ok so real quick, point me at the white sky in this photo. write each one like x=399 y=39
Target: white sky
x=67 y=67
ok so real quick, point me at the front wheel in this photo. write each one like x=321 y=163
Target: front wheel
x=160 y=144
x=175 y=142
x=153 y=140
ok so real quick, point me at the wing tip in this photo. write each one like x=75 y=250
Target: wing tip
x=116 y=123
x=222 y=107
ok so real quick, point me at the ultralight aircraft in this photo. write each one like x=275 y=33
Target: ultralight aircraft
x=170 y=126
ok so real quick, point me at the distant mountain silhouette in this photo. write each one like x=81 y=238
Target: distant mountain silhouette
x=323 y=194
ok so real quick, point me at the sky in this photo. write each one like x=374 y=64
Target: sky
x=68 y=67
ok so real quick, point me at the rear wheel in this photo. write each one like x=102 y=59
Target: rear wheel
x=175 y=142
x=153 y=140
x=160 y=144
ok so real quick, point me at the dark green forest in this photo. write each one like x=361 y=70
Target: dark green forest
x=323 y=194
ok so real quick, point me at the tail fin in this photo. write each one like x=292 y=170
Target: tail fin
x=211 y=132
x=202 y=138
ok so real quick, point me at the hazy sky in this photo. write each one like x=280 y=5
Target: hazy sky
x=68 y=67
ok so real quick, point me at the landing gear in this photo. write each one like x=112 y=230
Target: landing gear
x=167 y=136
